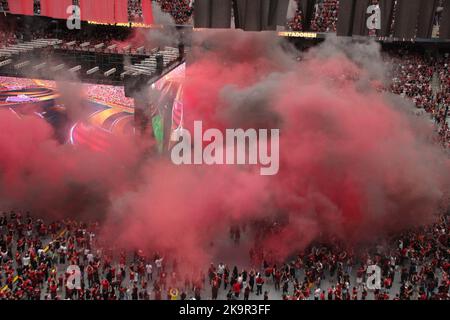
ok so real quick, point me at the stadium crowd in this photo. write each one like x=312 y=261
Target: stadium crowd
x=325 y=16
x=425 y=80
x=108 y=94
x=135 y=10
x=35 y=255
x=412 y=77
x=103 y=93
x=16 y=83
x=296 y=23
x=7 y=38
x=180 y=10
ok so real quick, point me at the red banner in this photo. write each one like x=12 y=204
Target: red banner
x=97 y=10
x=55 y=8
x=121 y=11
x=21 y=7
x=147 y=11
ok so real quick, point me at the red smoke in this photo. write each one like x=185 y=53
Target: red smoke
x=353 y=162
x=40 y=175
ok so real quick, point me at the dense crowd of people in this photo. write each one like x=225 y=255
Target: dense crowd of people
x=425 y=80
x=180 y=10
x=103 y=93
x=325 y=16
x=135 y=10
x=35 y=255
x=108 y=94
x=15 y=83
x=443 y=96
x=412 y=77
x=7 y=38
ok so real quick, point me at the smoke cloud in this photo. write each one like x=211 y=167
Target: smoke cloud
x=354 y=162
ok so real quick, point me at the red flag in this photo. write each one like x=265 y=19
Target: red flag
x=147 y=11
x=55 y=8
x=121 y=11
x=97 y=10
x=21 y=7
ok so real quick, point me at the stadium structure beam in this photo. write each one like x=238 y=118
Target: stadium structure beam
x=110 y=72
x=75 y=69
x=40 y=66
x=58 y=67
x=93 y=70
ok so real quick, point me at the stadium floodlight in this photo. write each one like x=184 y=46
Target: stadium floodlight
x=40 y=66
x=58 y=67
x=4 y=63
x=110 y=72
x=99 y=46
x=75 y=69
x=22 y=64
x=93 y=70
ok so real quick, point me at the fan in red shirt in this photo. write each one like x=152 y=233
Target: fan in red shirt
x=259 y=284
x=237 y=289
x=53 y=290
